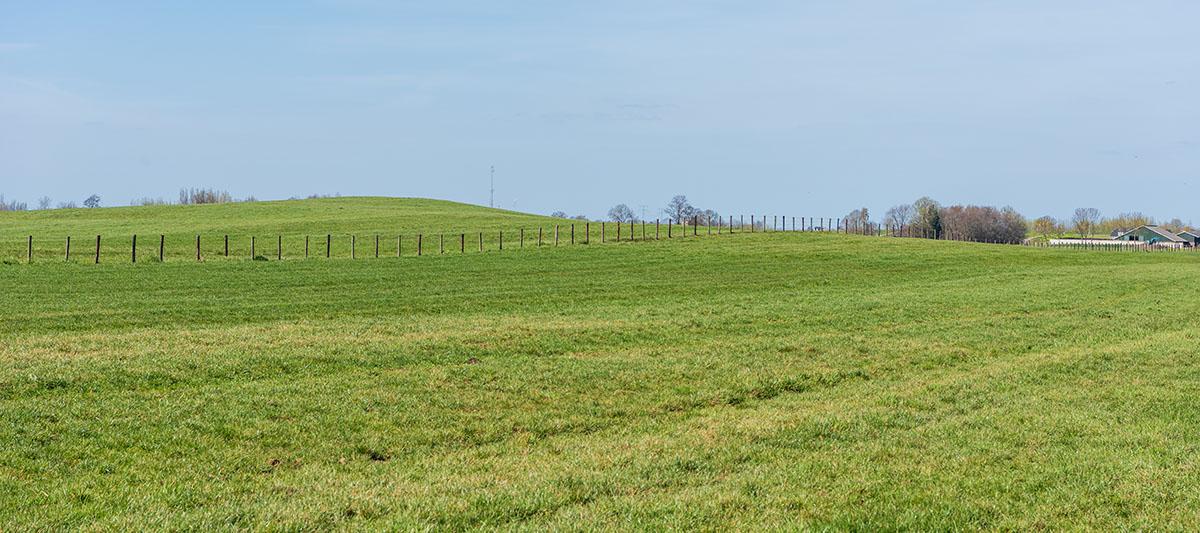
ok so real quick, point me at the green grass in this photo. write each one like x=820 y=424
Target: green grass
x=773 y=380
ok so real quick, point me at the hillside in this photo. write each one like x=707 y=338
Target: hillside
x=754 y=381
x=364 y=217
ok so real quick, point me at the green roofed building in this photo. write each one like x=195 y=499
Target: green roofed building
x=1193 y=238
x=1154 y=235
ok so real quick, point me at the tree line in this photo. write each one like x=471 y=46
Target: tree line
x=45 y=202
x=678 y=209
x=927 y=218
x=1088 y=222
x=187 y=196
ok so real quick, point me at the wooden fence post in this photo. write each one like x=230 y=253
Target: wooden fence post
x=481 y=241
x=695 y=225
x=279 y=247
x=68 y=251
x=643 y=230
x=587 y=232
x=227 y=245
x=669 y=221
x=419 y=238
x=572 y=234
x=253 y=245
x=133 y=250
x=376 y=246
x=399 y=243
x=328 y=244
x=306 y=246
x=539 y=236
x=656 y=236
x=97 y=249
x=602 y=232
x=29 y=250
x=501 y=240
x=556 y=235
x=162 y=245
x=462 y=243
x=522 y=245
x=197 y=247
x=441 y=243
x=353 y=246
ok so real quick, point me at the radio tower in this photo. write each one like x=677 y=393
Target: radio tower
x=492 y=190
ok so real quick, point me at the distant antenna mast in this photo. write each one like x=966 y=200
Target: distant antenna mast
x=492 y=191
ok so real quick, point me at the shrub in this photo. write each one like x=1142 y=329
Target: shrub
x=203 y=196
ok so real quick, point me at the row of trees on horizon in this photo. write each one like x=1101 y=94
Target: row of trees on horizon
x=927 y=218
x=990 y=224
x=187 y=196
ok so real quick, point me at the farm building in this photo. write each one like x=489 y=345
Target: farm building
x=1154 y=235
x=1193 y=238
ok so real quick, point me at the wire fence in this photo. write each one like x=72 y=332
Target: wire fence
x=136 y=248
x=162 y=247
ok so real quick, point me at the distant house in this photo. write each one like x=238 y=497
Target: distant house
x=1116 y=232
x=1152 y=234
x=1193 y=238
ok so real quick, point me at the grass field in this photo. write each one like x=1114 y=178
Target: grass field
x=777 y=380
x=292 y=220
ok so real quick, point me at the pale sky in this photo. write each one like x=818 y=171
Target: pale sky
x=805 y=108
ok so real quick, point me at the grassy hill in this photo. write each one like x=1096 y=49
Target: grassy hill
x=291 y=219
x=751 y=381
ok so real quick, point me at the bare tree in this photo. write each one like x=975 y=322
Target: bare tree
x=204 y=196
x=707 y=217
x=858 y=218
x=900 y=215
x=1175 y=225
x=12 y=205
x=1045 y=226
x=678 y=209
x=92 y=201
x=44 y=203
x=621 y=213
x=1085 y=220
x=558 y=214
x=67 y=205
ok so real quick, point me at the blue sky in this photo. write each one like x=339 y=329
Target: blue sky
x=794 y=107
